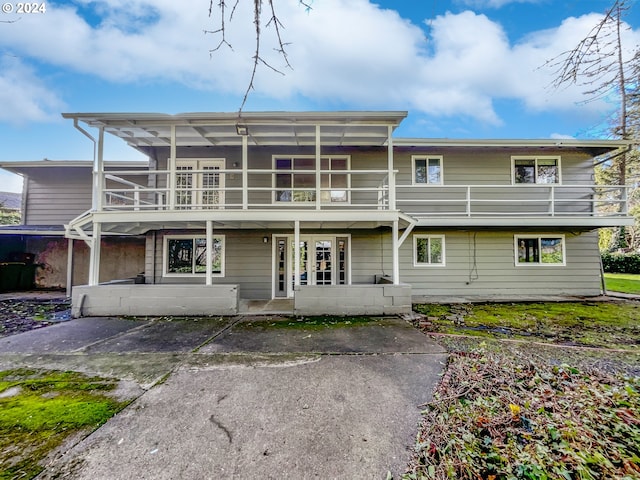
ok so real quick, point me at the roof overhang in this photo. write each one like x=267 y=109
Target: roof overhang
x=24 y=167
x=593 y=147
x=143 y=130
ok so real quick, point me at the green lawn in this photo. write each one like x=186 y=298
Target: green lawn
x=622 y=282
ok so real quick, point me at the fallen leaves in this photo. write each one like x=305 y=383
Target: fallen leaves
x=503 y=417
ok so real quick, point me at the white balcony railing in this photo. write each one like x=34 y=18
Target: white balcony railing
x=513 y=200
x=365 y=189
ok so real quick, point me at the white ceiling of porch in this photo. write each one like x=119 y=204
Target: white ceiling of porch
x=264 y=128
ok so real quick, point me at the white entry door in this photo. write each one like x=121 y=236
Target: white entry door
x=324 y=260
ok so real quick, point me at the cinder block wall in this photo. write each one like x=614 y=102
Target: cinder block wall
x=106 y=300
x=352 y=300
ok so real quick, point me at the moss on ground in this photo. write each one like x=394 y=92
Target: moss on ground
x=40 y=409
x=595 y=324
x=312 y=323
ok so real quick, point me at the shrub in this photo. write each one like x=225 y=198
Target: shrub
x=621 y=262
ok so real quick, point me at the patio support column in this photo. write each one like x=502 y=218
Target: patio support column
x=98 y=173
x=172 y=169
x=391 y=174
x=318 y=168
x=209 y=252
x=296 y=253
x=245 y=172
x=69 y=266
x=394 y=253
x=94 y=258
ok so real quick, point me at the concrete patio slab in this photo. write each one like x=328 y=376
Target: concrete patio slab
x=68 y=336
x=176 y=335
x=330 y=417
x=383 y=335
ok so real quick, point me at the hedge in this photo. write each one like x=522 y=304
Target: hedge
x=621 y=262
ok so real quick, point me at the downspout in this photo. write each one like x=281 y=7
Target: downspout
x=94 y=193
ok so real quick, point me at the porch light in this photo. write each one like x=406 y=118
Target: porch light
x=265 y=239
x=242 y=129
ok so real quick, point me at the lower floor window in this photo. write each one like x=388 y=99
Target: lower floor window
x=188 y=255
x=540 y=250
x=428 y=250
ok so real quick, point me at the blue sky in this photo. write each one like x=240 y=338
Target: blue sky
x=461 y=68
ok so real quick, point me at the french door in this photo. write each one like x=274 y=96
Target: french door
x=198 y=184
x=324 y=260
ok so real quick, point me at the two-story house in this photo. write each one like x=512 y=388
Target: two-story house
x=328 y=213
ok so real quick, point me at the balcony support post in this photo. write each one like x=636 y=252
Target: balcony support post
x=98 y=173
x=395 y=246
x=209 y=241
x=391 y=174
x=245 y=172
x=552 y=199
x=172 y=169
x=318 y=168
x=296 y=253
x=468 y=200
x=94 y=259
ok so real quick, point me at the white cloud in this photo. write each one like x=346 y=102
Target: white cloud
x=493 y=3
x=343 y=52
x=23 y=96
x=561 y=136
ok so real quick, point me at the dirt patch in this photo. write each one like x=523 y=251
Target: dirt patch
x=22 y=315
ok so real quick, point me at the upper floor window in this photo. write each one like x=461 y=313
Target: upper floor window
x=536 y=170
x=295 y=179
x=426 y=170
x=428 y=250
x=198 y=185
x=540 y=250
x=185 y=255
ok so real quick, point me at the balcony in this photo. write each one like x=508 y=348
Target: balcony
x=224 y=189
x=437 y=205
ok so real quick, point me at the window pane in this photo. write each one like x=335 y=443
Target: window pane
x=283 y=164
x=201 y=255
x=180 y=253
x=304 y=163
x=338 y=164
x=436 y=250
x=420 y=170
x=547 y=171
x=525 y=171
x=551 y=250
x=434 y=170
x=422 y=250
x=528 y=250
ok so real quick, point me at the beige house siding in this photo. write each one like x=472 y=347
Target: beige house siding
x=57 y=195
x=496 y=272
x=248 y=262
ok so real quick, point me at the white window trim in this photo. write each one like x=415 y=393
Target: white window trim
x=197 y=188
x=274 y=159
x=426 y=157
x=428 y=265
x=535 y=158
x=165 y=245
x=540 y=264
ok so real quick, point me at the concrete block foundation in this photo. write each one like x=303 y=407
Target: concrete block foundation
x=370 y=299
x=132 y=299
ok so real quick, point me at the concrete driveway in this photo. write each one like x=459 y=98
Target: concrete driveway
x=243 y=398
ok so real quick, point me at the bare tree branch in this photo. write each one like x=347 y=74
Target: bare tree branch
x=257 y=58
